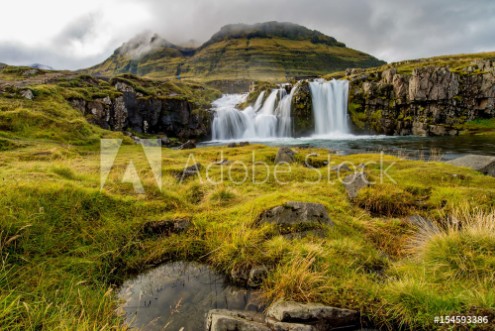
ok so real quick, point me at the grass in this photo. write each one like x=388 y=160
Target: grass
x=65 y=244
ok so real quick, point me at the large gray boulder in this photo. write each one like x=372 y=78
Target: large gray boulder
x=482 y=163
x=320 y=316
x=294 y=216
x=232 y=320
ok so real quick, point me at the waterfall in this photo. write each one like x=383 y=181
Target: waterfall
x=284 y=112
x=270 y=117
x=266 y=119
x=330 y=106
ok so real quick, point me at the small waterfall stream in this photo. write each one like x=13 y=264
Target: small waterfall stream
x=270 y=117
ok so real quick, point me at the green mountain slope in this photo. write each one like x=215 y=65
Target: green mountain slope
x=266 y=51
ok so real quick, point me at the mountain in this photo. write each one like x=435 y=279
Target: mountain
x=266 y=51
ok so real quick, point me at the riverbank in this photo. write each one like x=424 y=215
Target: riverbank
x=65 y=245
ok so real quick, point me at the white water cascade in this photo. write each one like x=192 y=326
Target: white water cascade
x=270 y=117
x=266 y=119
x=329 y=100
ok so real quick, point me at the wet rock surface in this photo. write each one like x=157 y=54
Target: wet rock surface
x=179 y=295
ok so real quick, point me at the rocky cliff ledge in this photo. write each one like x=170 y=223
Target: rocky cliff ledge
x=429 y=101
x=146 y=110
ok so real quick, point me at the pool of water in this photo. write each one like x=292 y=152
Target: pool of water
x=176 y=296
x=444 y=148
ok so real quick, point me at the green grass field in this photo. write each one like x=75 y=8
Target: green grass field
x=65 y=245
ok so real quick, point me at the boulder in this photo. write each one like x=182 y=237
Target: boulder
x=354 y=183
x=285 y=154
x=231 y=320
x=166 y=227
x=320 y=316
x=296 y=216
x=482 y=163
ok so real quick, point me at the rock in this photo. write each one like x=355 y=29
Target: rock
x=482 y=163
x=189 y=172
x=166 y=227
x=429 y=101
x=285 y=154
x=188 y=145
x=341 y=167
x=296 y=217
x=30 y=72
x=320 y=316
x=437 y=130
x=251 y=276
x=27 y=94
x=165 y=141
x=354 y=183
x=281 y=326
x=302 y=110
x=232 y=145
x=224 y=161
x=230 y=320
x=244 y=143
x=257 y=275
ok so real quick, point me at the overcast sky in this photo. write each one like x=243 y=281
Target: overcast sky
x=80 y=33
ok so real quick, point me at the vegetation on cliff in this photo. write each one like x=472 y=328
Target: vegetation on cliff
x=58 y=106
x=447 y=95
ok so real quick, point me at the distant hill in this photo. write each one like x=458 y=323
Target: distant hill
x=266 y=51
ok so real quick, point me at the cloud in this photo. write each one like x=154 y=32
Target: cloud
x=78 y=33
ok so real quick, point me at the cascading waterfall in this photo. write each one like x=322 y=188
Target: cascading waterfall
x=284 y=111
x=266 y=119
x=271 y=117
x=329 y=100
